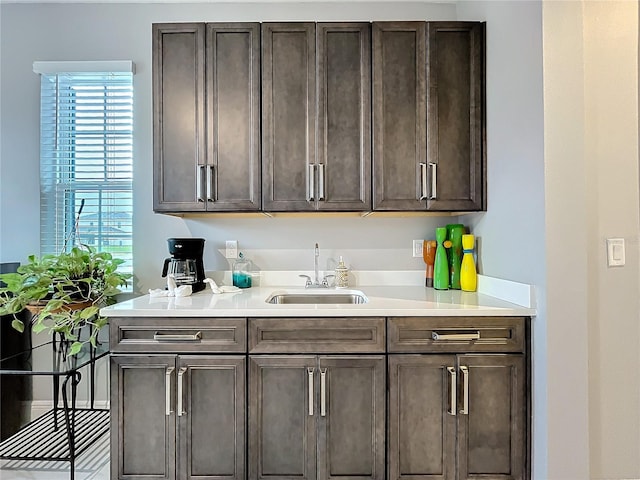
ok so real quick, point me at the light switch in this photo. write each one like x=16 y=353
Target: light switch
x=615 y=252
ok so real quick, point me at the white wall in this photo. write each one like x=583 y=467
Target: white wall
x=591 y=159
x=566 y=241
x=611 y=153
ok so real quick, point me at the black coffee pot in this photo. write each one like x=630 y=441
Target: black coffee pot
x=186 y=264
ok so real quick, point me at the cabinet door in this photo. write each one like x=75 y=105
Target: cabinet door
x=399 y=115
x=178 y=117
x=344 y=116
x=455 y=117
x=211 y=424
x=422 y=431
x=282 y=417
x=233 y=109
x=143 y=417
x=288 y=116
x=492 y=437
x=351 y=425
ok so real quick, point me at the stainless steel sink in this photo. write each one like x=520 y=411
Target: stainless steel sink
x=322 y=297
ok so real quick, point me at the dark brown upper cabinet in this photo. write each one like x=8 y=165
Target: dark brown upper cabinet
x=316 y=130
x=301 y=117
x=428 y=117
x=206 y=119
x=399 y=115
x=455 y=116
x=344 y=116
x=178 y=115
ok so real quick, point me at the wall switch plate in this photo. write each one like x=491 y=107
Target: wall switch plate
x=232 y=249
x=615 y=252
x=417 y=248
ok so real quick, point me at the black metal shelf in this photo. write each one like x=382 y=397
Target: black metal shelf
x=64 y=432
x=46 y=438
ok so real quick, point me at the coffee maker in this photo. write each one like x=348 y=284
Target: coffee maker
x=185 y=263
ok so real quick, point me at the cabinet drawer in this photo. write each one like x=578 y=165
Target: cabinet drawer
x=316 y=335
x=456 y=334
x=176 y=335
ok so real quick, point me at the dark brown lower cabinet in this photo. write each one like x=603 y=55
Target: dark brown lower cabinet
x=457 y=417
x=178 y=417
x=317 y=417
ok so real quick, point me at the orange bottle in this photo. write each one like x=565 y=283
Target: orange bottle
x=429 y=256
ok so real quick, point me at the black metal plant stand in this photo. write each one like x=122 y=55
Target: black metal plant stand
x=64 y=432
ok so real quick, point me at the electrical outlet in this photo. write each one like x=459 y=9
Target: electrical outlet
x=232 y=249
x=417 y=248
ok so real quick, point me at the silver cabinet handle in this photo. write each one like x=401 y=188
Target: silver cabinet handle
x=434 y=180
x=323 y=392
x=454 y=393
x=423 y=181
x=171 y=337
x=465 y=390
x=180 y=387
x=167 y=390
x=465 y=336
x=310 y=373
x=199 y=174
x=321 y=181
x=312 y=181
x=210 y=183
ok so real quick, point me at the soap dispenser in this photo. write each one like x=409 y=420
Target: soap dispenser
x=342 y=275
x=242 y=272
x=468 y=273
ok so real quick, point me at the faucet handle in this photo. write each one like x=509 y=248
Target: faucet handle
x=308 y=282
x=325 y=279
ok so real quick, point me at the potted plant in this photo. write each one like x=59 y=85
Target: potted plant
x=63 y=292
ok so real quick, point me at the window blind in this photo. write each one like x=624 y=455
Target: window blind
x=86 y=158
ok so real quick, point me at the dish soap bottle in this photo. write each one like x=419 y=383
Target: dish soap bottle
x=468 y=273
x=242 y=272
x=342 y=275
x=441 y=265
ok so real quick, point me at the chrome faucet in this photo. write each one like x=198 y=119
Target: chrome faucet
x=316 y=283
x=316 y=255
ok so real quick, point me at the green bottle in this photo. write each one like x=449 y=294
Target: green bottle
x=441 y=265
x=454 y=235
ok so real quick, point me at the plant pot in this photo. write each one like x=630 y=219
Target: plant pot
x=36 y=308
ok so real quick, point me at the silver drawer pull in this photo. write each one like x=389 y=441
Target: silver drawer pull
x=210 y=183
x=323 y=392
x=181 y=373
x=466 y=336
x=176 y=337
x=310 y=373
x=423 y=181
x=321 y=181
x=167 y=390
x=453 y=389
x=311 y=185
x=200 y=173
x=434 y=180
x=465 y=390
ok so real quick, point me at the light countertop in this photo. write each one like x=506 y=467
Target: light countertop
x=383 y=301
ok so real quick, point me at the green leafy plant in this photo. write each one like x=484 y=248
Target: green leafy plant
x=64 y=292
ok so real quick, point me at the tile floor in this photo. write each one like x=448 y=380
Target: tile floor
x=93 y=464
